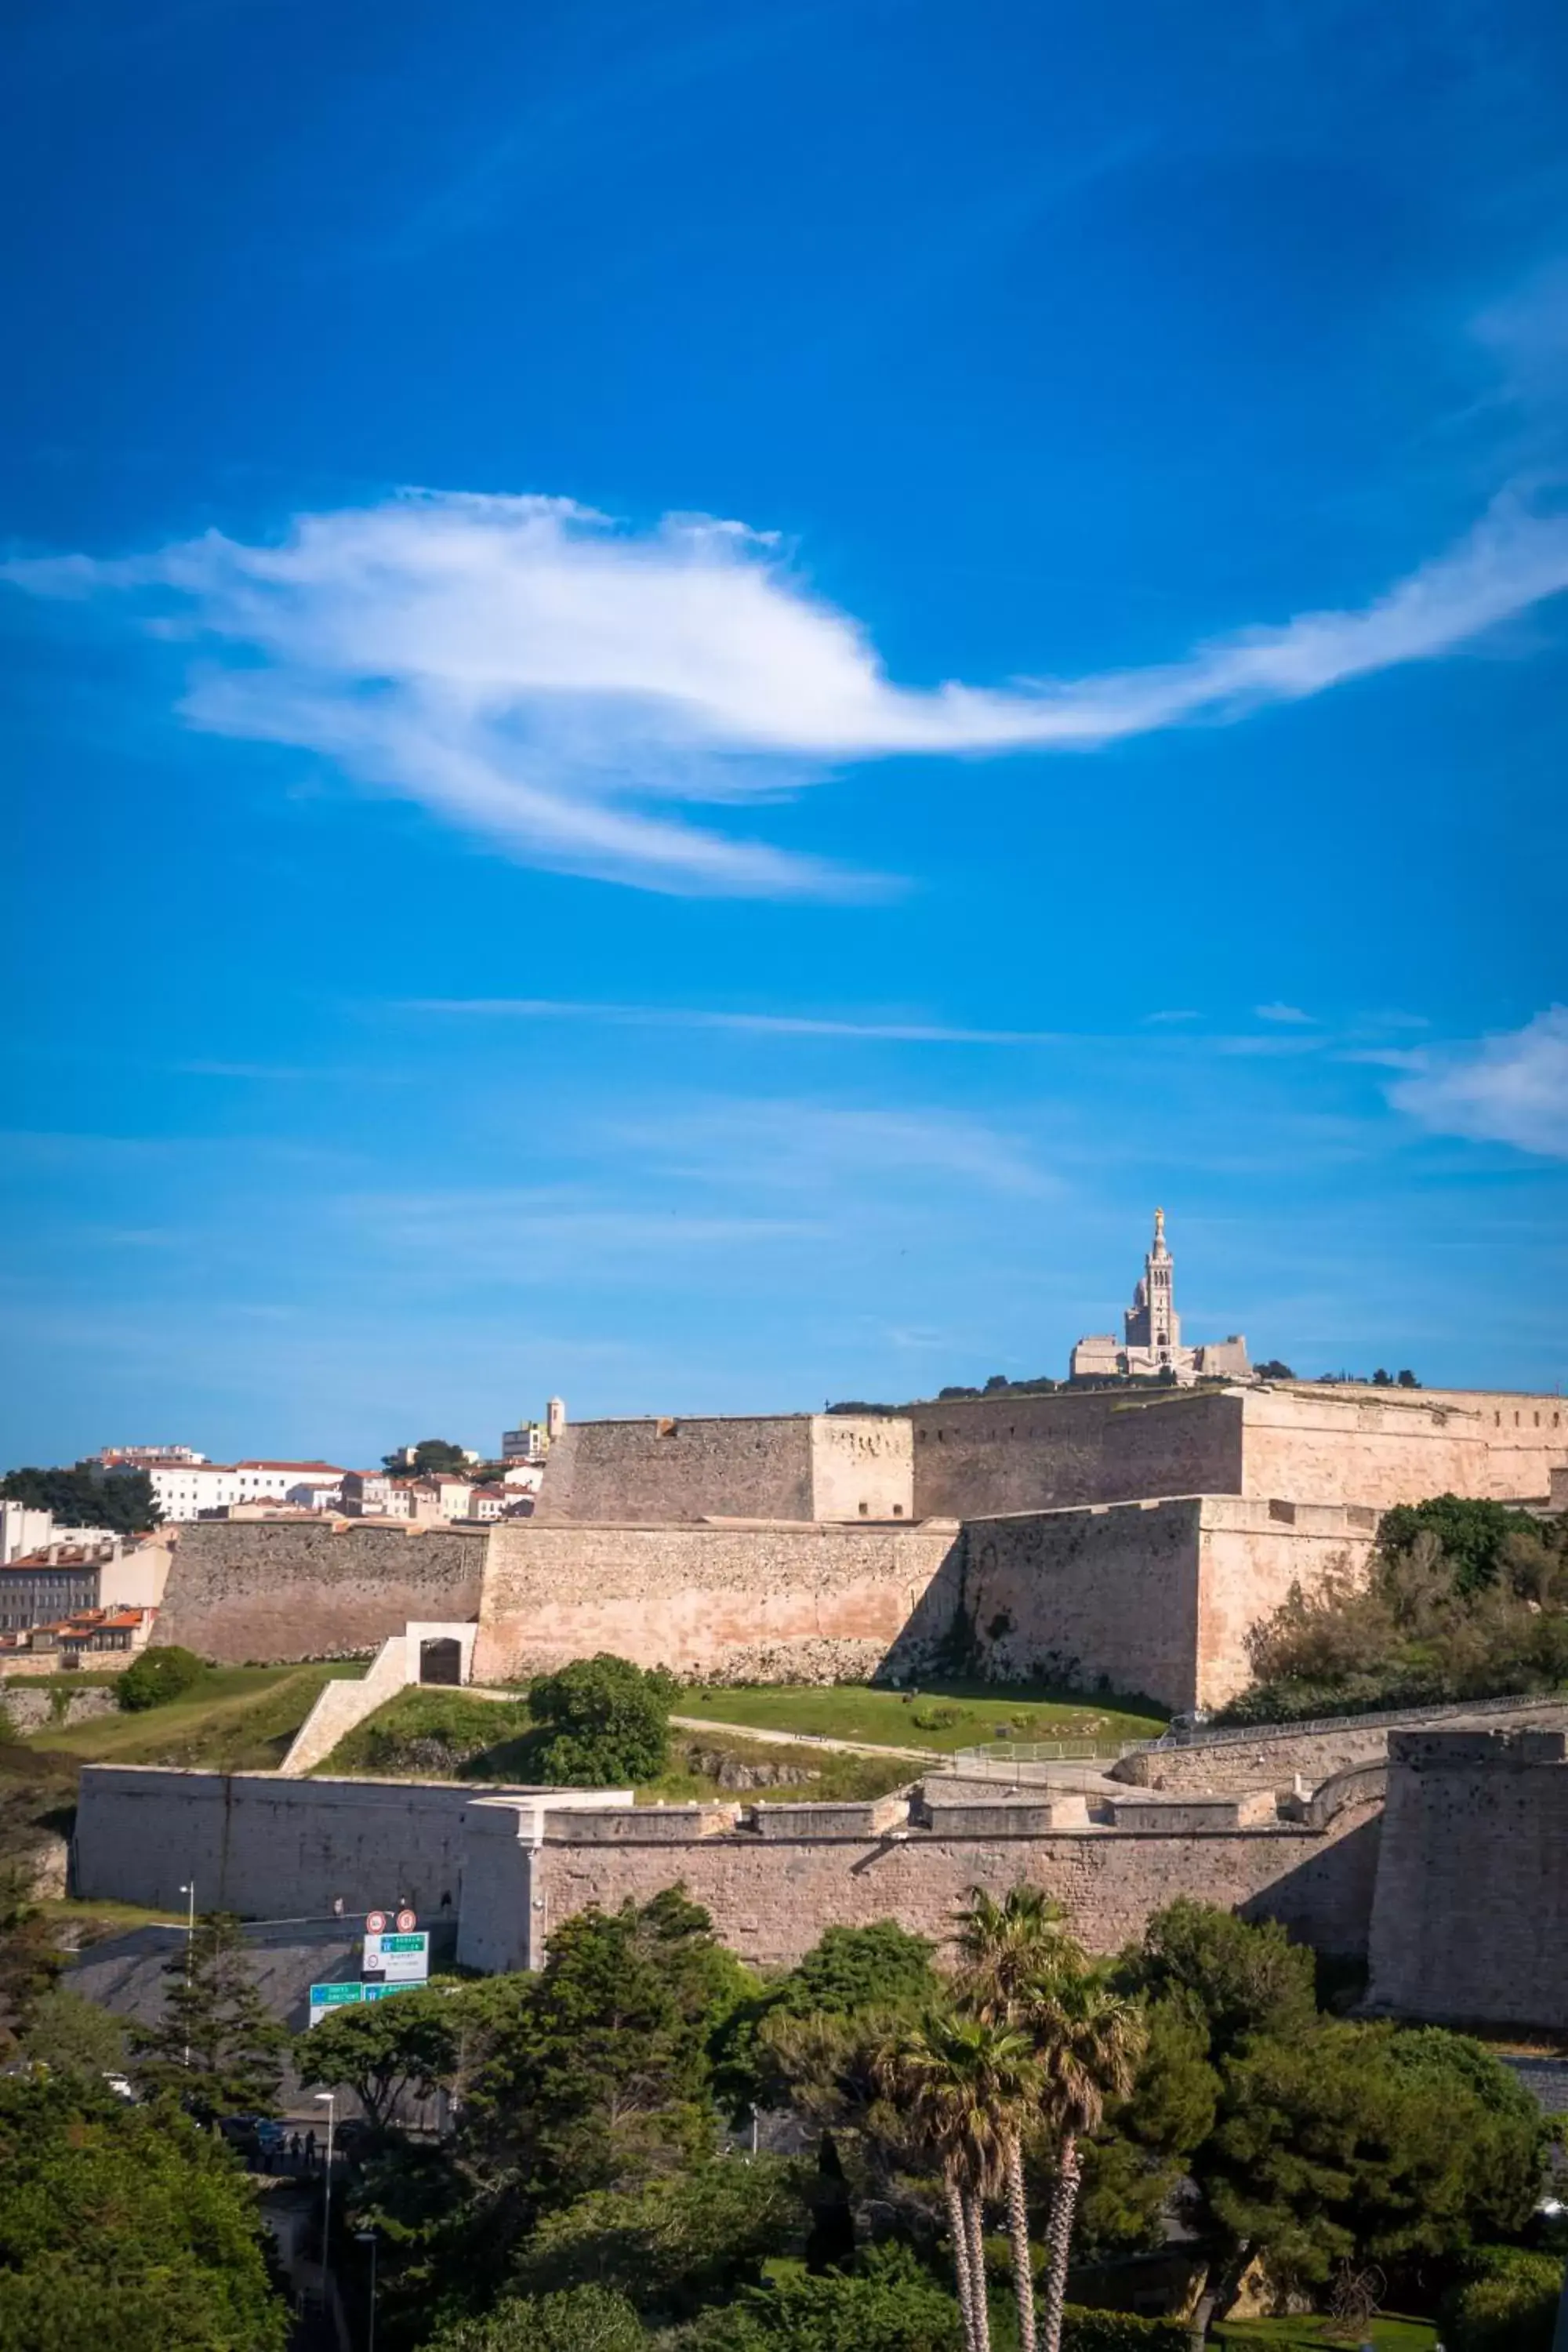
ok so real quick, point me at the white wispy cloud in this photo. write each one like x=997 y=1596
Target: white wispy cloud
x=1511 y=1088
x=1289 y=1013
x=774 y=1024
x=829 y=1150
x=562 y=686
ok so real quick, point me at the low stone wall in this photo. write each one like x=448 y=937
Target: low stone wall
x=771 y=1603
x=265 y=1847
x=1279 y=1755
x=23 y=1711
x=267 y=1591
x=513 y=1864
x=772 y=1897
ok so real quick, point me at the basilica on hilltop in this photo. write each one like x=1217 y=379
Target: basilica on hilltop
x=1151 y=1346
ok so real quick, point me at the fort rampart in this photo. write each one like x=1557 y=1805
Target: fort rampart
x=771 y=1603
x=1471 y=1924
x=789 y=1467
x=259 y=1591
x=512 y=1871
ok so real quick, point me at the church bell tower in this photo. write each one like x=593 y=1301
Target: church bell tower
x=1152 y=1326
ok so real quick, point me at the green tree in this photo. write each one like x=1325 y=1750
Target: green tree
x=1508 y=2304
x=433 y=1457
x=1274 y=1371
x=886 y=2303
x=385 y=2051
x=1299 y=2140
x=692 y=2238
x=216 y=2051
x=124 y=1503
x=1088 y=2038
x=157 y=1676
x=605 y=1721
x=600 y=2078
x=965 y=2089
x=122 y=2225
x=1470 y=1533
x=848 y=1972
x=581 y=2319
x=70 y=2035
x=29 y=1959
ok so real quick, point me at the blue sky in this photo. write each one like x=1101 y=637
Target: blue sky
x=691 y=694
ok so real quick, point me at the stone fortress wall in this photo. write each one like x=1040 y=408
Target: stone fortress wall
x=1470 y=1922
x=786 y=1466
x=266 y=1591
x=510 y=1864
x=764 y=1603
x=1156 y=1597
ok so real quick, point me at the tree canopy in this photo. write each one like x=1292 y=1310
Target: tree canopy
x=157 y=1676
x=82 y=1497
x=216 y=2049
x=433 y=1457
x=604 y=1721
x=124 y=2226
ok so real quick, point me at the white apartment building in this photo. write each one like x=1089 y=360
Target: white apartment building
x=22 y=1529
x=183 y=1490
x=530 y=1440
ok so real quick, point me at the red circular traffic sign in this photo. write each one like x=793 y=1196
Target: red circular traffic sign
x=375 y=1923
x=406 y=1922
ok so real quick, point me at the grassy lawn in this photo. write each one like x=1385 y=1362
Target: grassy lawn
x=441 y=1734
x=1385 y=2334
x=945 y=1716
x=237 y=1718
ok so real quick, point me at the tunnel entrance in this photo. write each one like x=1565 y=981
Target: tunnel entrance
x=441 y=1661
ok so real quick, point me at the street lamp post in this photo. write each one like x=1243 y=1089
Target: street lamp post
x=367 y=2238
x=190 y=1895
x=328 y=2099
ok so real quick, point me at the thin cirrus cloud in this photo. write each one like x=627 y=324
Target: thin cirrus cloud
x=564 y=688
x=767 y=1024
x=1511 y=1089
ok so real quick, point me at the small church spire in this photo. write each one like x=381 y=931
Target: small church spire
x=1158 y=1249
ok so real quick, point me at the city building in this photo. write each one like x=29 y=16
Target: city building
x=1151 y=1345
x=530 y=1442
x=63 y=1578
x=22 y=1529
x=142 y=1457
x=186 y=1489
x=83 y=1634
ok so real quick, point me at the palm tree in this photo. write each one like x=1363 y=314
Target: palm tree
x=964 y=2088
x=1087 y=2039
x=1011 y=1950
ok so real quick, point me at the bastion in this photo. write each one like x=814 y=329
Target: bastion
x=513 y=1864
x=1470 y=1922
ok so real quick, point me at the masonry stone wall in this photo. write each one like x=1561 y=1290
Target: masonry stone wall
x=264 y=1592
x=771 y=1898
x=1274 y=1757
x=788 y=1466
x=679 y=1469
x=982 y=1455
x=1379 y=1447
x=265 y=1847
x=861 y=1467
x=1470 y=1922
x=745 y=1604
x=1156 y=1597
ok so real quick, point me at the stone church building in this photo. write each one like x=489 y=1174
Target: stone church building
x=1152 y=1334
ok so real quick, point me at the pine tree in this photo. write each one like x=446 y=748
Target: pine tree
x=214 y=2050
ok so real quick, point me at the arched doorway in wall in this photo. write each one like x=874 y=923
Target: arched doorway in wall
x=441 y=1661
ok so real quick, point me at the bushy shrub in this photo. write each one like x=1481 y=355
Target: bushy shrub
x=604 y=1720
x=1121 y=2331
x=1508 y=2305
x=583 y=2319
x=157 y=1676
x=887 y=2304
